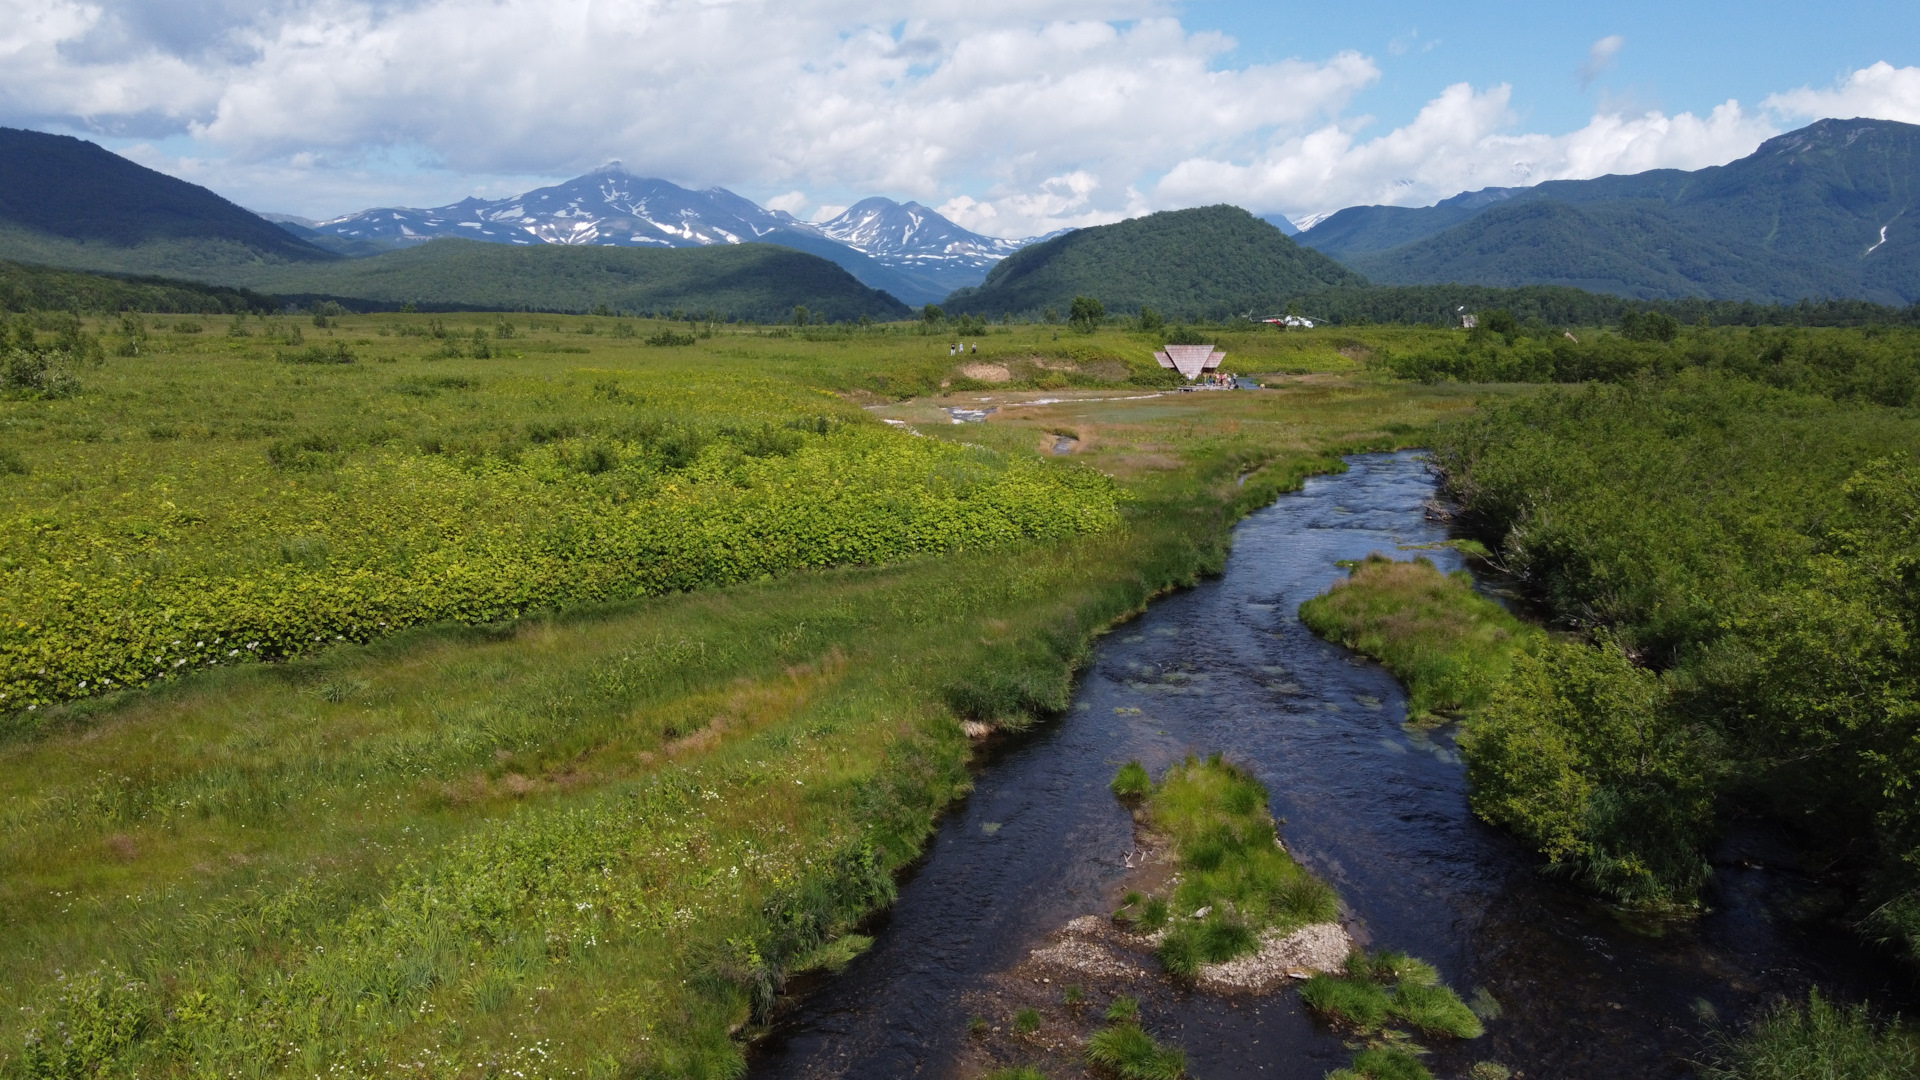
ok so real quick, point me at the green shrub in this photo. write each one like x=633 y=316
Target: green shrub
x=1577 y=754
x=320 y=354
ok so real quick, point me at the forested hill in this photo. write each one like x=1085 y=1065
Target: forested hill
x=1827 y=211
x=66 y=202
x=748 y=281
x=1211 y=262
x=39 y=288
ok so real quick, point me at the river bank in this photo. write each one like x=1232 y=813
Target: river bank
x=1375 y=807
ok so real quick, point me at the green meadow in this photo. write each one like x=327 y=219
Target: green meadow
x=682 y=639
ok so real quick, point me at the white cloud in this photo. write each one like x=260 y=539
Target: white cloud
x=1457 y=143
x=1015 y=117
x=792 y=202
x=1600 y=57
x=1882 y=92
x=754 y=93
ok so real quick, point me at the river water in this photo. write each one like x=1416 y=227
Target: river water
x=1376 y=808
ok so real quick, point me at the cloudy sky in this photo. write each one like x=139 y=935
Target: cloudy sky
x=1013 y=117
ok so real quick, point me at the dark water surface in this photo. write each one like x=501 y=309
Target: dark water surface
x=1377 y=809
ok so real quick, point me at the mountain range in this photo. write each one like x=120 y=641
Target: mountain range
x=1830 y=210
x=1826 y=211
x=903 y=248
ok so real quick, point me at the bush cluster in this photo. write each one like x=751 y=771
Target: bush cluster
x=1744 y=561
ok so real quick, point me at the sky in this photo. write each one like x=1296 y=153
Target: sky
x=1012 y=117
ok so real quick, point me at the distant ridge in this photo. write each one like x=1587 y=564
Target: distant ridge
x=760 y=282
x=1211 y=262
x=906 y=249
x=1830 y=210
x=69 y=203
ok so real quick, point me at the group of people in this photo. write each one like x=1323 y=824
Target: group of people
x=961 y=349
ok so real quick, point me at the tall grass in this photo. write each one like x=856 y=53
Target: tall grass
x=1820 y=1040
x=1448 y=644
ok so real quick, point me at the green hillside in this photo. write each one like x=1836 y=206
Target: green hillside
x=1211 y=262
x=69 y=203
x=40 y=288
x=1634 y=248
x=749 y=281
x=1826 y=211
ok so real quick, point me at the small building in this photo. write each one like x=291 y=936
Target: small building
x=1190 y=360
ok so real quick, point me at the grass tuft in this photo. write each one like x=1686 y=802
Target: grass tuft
x=1132 y=783
x=1391 y=985
x=1383 y=1063
x=1435 y=1010
x=1131 y=1054
x=1362 y=1003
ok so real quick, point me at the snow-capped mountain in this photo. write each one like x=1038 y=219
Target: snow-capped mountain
x=606 y=206
x=908 y=250
x=909 y=233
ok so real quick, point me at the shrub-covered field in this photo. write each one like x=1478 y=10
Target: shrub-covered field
x=1743 y=560
x=130 y=563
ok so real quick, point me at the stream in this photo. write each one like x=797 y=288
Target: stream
x=1378 y=809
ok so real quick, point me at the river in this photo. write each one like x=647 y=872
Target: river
x=1378 y=809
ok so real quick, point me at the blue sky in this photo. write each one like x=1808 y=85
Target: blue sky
x=1013 y=117
x=1677 y=56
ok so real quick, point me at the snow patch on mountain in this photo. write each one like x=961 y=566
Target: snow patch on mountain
x=907 y=249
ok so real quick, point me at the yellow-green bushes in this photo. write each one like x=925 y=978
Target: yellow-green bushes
x=228 y=556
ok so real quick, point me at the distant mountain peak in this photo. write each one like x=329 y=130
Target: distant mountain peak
x=1832 y=134
x=909 y=232
x=905 y=248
